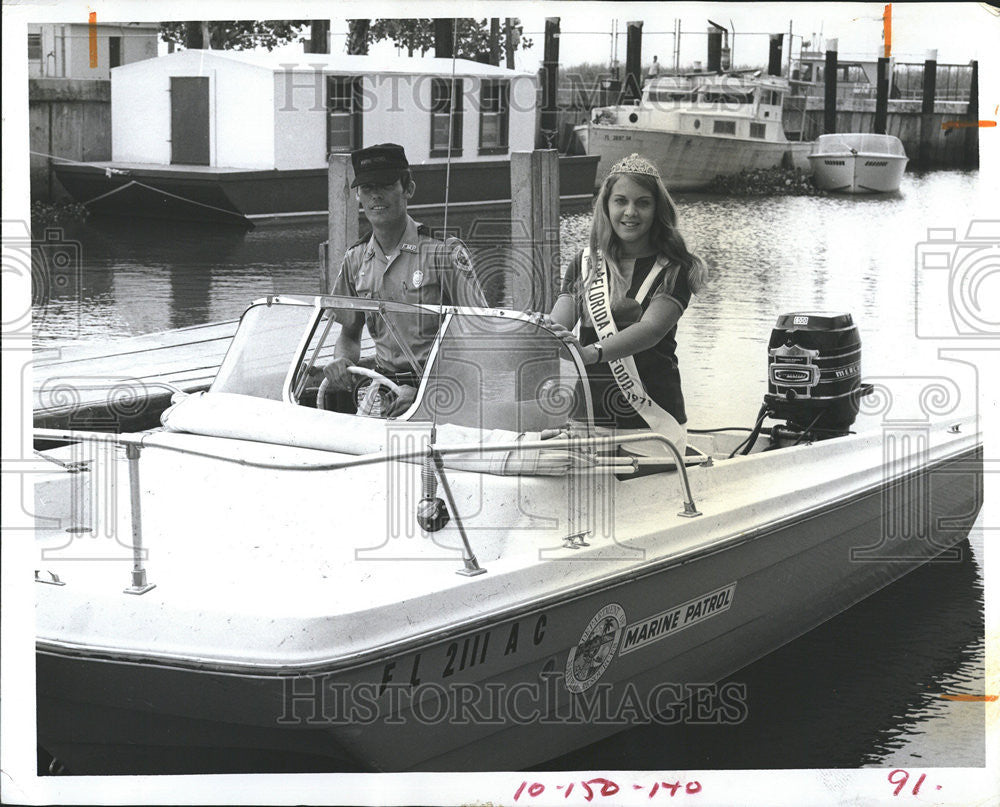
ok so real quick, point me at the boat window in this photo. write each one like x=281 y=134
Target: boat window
x=664 y=96
x=446 y=95
x=494 y=112
x=485 y=369
x=343 y=114
x=757 y=130
x=728 y=97
x=493 y=371
x=263 y=350
x=34 y=47
x=724 y=127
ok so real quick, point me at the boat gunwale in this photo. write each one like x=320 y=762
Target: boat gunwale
x=562 y=596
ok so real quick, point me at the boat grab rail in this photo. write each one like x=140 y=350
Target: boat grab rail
x=133 y=445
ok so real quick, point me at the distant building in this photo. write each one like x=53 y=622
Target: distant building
x=63 y=50
x=238 y=109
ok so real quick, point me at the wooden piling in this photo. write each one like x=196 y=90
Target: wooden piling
x=774 y=54
x=971 y=149
x=927 y=128
x=830 y=88
x=633 y=61
x=534 y=221
x=548 y=129
x=881 y=96
x=342 y=221
x=715 y=32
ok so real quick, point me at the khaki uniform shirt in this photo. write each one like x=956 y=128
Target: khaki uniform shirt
x=420 y=269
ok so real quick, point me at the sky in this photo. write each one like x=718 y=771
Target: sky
x=959 y=31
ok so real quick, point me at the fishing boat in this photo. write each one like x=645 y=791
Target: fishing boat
x=698 y=126
x=274 y=579
x=858 y=162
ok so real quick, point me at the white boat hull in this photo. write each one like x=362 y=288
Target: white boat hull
x=858 y=173
x=691 y=161
x=774 y=561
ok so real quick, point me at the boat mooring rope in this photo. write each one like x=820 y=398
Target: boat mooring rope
x=109 y=170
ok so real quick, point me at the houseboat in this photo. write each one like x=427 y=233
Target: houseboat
x=243 y=137
x=698 y=126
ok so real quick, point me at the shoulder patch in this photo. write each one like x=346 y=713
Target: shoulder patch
x=461 y=259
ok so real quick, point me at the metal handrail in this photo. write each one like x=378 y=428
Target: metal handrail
x=572 y=443
x=134 y=444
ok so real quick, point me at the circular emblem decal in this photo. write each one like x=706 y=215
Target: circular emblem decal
x=590 y=658
x=418 y=278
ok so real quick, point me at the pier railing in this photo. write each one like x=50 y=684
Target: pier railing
x=953 y=82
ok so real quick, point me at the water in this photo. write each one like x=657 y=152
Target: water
x=863 y=689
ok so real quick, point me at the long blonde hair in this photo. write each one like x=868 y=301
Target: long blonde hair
x=664 y=235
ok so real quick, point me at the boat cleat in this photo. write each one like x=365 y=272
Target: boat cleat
x=575 y=540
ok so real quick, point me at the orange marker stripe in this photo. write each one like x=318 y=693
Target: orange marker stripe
x=965 y=124
x=887 y=30
x=976 y=698
x=93 y=39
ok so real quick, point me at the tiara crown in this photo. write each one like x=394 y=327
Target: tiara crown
x=634 y=164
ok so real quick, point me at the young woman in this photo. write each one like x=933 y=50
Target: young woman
x=628 y=289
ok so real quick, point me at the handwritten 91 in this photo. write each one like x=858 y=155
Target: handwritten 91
x=899 y=778
x=599 y=786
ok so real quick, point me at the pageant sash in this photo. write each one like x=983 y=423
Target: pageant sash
x=598 y=305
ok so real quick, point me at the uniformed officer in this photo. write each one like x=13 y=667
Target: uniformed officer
x=398 y=262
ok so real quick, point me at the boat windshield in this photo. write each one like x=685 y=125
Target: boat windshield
x=485 y=368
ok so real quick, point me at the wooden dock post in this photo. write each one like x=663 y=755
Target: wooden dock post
x=633 y=60
x=830 y=88
x=534 y=223
x=971 y=149
x=342 y=220
x=548 y=128
x=881 y=96
x=927 y=128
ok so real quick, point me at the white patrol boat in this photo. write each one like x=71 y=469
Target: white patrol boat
x=281 y=586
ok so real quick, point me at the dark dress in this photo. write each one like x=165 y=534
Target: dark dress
x=657 y=366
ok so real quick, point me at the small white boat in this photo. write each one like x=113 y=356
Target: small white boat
x=698 y=126
x=858 y=162
x=260 y=585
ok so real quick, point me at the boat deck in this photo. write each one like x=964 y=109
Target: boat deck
x=77 y=377
x=74 y=386
x=172 y=169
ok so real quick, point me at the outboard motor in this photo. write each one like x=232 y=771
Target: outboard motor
x=813 y=376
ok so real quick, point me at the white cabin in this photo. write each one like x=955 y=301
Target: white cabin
x=233 y=109
x=726 y=105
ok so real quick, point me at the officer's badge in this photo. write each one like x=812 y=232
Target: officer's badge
x=418 y=278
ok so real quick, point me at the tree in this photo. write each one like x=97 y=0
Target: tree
x=233 y=34
x=358 y=37
x=413 y=35
x=472 y=36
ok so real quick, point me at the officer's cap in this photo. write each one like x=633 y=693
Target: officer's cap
x=380 y=165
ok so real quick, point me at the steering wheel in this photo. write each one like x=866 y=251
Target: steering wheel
x=376 y=377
